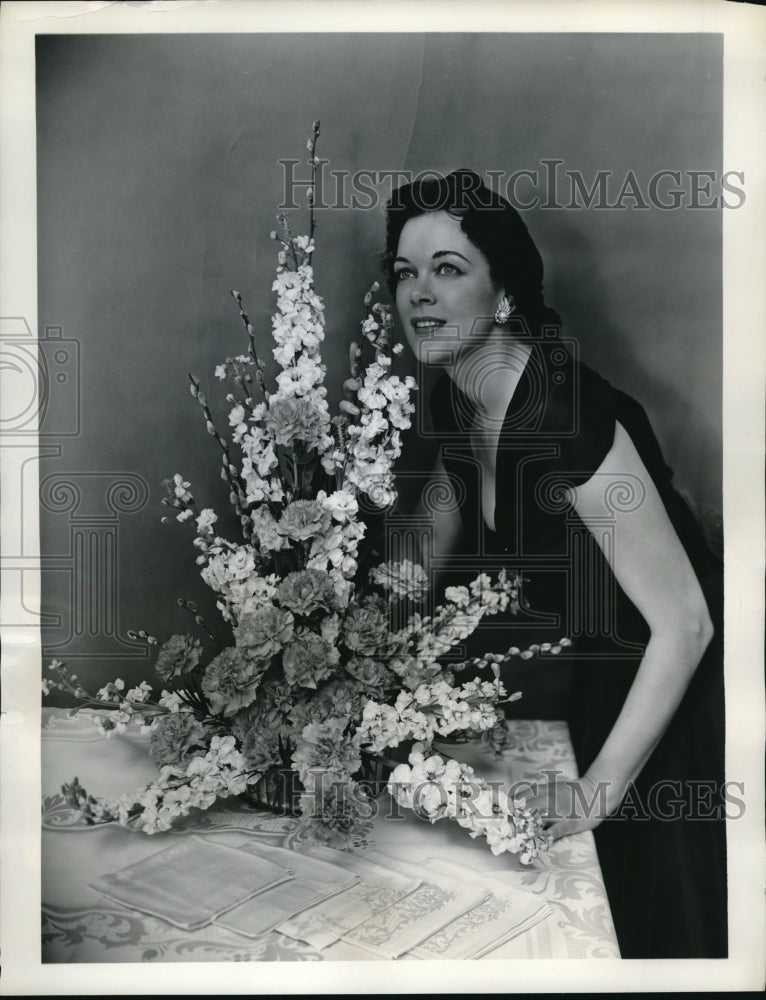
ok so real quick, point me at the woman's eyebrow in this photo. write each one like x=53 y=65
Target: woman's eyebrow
x=439 y=253
x=445 y=253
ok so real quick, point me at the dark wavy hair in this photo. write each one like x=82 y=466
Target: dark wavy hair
x=491 y=223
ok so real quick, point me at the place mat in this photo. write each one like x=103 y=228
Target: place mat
x=378 y=888
x=191 y=882
x=504 y=914
x=402 y=926
x=315 y=880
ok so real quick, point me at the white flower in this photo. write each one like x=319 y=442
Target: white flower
x=342 y=504
x=220 y=371
x=138 y=694
x=170 y=700
x=458 y=595
x=206 y=520
x=266 y=530
x=181 y=489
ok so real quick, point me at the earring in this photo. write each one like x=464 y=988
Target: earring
x=505 y=307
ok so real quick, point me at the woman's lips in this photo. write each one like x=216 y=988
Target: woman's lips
x=426 y=324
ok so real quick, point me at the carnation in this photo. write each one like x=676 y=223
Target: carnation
x=305 y=591
x=295 y=418
x=263 y=632
x=174 y=736
x=308 y=659
x=230 y=682
x=327 y=747
x=365 y=631
x=178 y=657
x=303 y=519
x=404 y=579
x=368 y=672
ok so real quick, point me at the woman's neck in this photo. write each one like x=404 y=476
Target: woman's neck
x=488 y=375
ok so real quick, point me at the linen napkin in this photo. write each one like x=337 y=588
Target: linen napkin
x=378 y=888
x=505 y=913
x=191 y=882
x=315 y=880
x=437 y=901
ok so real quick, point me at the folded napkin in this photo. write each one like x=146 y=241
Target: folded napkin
x=437 y=901
x=315 y=880
x=505 y=913
x=377 y=889
x=191 y=882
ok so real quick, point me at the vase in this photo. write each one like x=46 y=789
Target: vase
x=279 y=789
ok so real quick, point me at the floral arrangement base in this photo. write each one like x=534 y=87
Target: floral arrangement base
x=280 y=789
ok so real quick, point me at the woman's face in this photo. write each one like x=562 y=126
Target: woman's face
x=445 y=296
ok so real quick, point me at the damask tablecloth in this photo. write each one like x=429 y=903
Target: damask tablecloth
x=79 y=925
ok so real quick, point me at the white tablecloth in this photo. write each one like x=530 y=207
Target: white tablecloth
x=79 y=925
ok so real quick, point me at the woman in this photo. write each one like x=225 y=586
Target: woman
x=557 y=474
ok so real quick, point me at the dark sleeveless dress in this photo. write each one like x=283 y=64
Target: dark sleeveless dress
x=663 y=855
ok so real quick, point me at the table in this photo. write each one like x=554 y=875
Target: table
x=79 y=925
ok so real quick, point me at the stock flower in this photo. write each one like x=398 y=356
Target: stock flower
x=305 y=591
x=174 y=737
x=460 y=596
x=302 y=377
x=342 y=504
x=230 y=682
x=263 y=632
x=303 y=519
x=111 y=693
x=205 y=521
x=308 y=659
x=178 y=657
x=266 y=531
x=170 y=700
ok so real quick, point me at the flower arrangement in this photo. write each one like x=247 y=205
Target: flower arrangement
x=316 y=677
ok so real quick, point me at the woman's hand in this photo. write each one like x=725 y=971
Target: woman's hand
x=571 y=806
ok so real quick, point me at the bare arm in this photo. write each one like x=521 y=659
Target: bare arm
x=651 y=565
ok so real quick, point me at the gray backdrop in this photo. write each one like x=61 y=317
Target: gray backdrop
x=158 y=180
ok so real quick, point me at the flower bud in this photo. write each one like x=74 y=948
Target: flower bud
x=210 y=427
x=346 y=407
x=273 y=235
x=202 y=398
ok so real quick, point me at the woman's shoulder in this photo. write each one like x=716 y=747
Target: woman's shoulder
x=578 y=411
